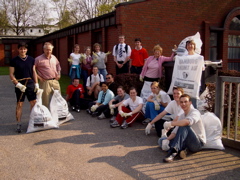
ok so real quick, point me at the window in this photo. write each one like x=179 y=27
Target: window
x=39 y=30
x=234 y=44
x=7 y=53
x=213 y=46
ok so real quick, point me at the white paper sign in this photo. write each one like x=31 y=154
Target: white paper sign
x=187 y=74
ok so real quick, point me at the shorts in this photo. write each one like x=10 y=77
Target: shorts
x=31 y=95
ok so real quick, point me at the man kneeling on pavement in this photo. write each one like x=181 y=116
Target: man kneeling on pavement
x=188 y=134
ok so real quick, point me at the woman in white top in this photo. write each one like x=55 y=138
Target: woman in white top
x=75 y=69
x=156 y=102
x=127 y=116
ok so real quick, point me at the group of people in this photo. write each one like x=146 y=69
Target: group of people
x=108 y=100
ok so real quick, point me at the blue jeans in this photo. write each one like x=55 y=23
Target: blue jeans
x=186 y=138
x=103 y=72
x=150 y=111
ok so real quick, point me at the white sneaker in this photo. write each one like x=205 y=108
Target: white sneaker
x=102 y=116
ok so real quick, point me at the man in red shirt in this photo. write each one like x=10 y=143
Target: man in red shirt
x=138 y=56
x=74 y=93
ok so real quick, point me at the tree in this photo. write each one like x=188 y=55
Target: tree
x=20 y=14
x=4 y=25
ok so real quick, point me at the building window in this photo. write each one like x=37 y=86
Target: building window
x=213 y=46
x=39 y=30
x=234 y=44
x=7 y=53
x=31 y=30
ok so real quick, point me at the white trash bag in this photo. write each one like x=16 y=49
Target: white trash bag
x=59 y=104
x=213 y=129
x=181 y=50
x=202 y=103
x=40 y=117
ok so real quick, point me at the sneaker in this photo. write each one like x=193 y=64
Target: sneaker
x=183 y=154
x=124 y=125
x=78 y=110
x=73 y=108
x=102 y=116
x=146 y=121
x=89 y=111
x=95 y=114
x=170 y=157
x=19 y=130
x=112 y=119
x=114 y=124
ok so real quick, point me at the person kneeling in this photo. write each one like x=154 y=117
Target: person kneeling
x=189 y=133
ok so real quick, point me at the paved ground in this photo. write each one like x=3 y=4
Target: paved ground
x=87 y=148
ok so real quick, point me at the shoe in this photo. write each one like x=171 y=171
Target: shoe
x=172 y=153
x=102 y=116
x=94 y=114
x=183 y=154
x=78 y=110
x=112 y=119
x=146 y=121
x=19 y=130
x=89 y=111
x=124 y=125
x=73 y=108
x=114 y=124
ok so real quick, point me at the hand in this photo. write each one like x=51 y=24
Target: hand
x=141 y=78
x=167 y=125
x=122 y=113
x=108 y=53
x=21 y=87
x=95 y=61
x=70 y=60
x=148 y=129
x=128 y=114
x=94 y=107
x=164 y=133
x=94 y=54
x=156 y=105
x=36 y=87
x=112 y=111
x=112 y=106
x=165 y=145
x=58 y=77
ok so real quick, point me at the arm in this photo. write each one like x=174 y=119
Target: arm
x=150 y=99
x=139 y=108
x=35 y=77
x=11 y=74
x=183 y=122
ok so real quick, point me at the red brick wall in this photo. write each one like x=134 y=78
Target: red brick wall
x=168 y=22
x=63 y=55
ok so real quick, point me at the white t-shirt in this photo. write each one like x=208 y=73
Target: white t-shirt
x=174 y=109
x=94 y=79
x=133 y=105
x=195 y=120
x=161 y=97
x=76 y=59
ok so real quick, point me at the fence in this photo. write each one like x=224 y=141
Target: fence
x=223 y=103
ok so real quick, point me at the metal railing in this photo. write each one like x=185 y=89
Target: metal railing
x=230 y=132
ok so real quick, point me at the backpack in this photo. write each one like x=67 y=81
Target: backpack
x=126 y=48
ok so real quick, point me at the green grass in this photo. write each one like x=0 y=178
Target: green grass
x=4 y=70
x=64 y=81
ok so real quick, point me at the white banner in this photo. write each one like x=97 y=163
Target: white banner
x=187 y=74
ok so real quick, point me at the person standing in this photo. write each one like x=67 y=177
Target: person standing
x=138 y=57
x=121 y=53
x=49 y=72
x=23 y=75
x=74 y=60
x=100 y=60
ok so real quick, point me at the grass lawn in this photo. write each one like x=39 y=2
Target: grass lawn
x=64 y=81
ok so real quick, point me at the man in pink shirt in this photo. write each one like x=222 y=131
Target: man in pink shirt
x=48 y=70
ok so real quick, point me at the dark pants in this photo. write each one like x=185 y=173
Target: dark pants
x=107 y=113
x=136 y=70
x=159 y=127
x=124 y=69
x=99 y=110
x=78 y=102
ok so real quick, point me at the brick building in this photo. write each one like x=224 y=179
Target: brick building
x=156 y=22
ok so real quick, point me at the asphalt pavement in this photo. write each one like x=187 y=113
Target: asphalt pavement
x=87 y=148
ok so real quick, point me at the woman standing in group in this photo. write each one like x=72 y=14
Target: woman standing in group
x=86 y=66
x=100 y=60
x=152 y=71
x=74 y=60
